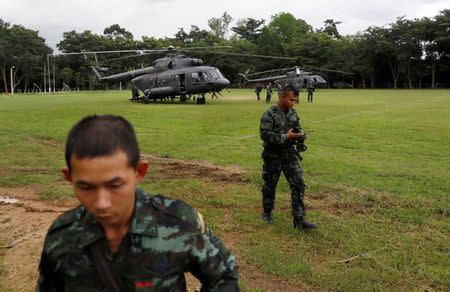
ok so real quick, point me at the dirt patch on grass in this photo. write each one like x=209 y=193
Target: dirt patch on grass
x=253 y=277
x=27 y=197
x=173 y=168
x=360 y=202
x=49 y=142
x=29 y=170
x=23 y=224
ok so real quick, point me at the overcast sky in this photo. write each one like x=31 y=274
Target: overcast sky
x=163 y=17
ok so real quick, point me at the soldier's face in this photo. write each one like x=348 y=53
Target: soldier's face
x=288 y=100
x=106 y=186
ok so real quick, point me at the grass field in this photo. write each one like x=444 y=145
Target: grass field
x=377 y=169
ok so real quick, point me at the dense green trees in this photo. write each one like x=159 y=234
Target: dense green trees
x=406 y=53
x=24 y=50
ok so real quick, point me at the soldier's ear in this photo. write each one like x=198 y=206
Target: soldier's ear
x=66 y=172
x=141 y=170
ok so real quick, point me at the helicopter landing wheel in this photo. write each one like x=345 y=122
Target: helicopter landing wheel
x=201 y=100
x=144 y=99
x=183 y=98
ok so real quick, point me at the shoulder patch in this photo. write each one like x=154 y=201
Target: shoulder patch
x=180 y=210
x=67 y=218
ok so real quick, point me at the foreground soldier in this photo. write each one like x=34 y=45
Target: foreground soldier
x=121 y=238
x=279 y=155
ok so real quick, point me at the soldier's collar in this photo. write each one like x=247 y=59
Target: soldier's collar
x=143 y=221
x=286 y=111
x=91 y=232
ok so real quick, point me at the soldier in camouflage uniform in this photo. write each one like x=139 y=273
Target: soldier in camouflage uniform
x=146 y=242
x=311 y=89
x=279 y=155
x=258 y=89
x=268 y=92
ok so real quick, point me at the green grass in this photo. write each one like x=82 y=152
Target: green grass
x=377 y=170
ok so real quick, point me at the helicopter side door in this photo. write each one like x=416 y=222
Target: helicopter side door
x=181 y=83
x=196 y=80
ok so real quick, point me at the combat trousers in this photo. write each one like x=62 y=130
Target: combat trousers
x=310 y=96
x=274 y=164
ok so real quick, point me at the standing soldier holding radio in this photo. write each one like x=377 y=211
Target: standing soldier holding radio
x=280 y=130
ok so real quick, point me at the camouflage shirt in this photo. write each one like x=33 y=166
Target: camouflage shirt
x=166 y=238
x=274 y=126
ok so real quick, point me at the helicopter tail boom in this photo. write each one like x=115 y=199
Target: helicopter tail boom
x=244 y=76
x=97 y=74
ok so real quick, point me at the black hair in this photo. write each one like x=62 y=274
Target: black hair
x=290 y=88
x=102 y=135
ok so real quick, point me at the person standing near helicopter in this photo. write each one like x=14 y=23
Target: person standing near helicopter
x=258 y=89
x=279 y=130
x=310 y=87
x=268 y=92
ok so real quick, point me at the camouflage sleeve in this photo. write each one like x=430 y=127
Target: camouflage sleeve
x=213 y=264
x=267 y=133
x=47 y=280
x=297 y=122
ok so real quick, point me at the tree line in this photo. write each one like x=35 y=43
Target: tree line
x=407 y=53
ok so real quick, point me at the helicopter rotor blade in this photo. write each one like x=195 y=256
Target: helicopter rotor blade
x=328 y=70
x=131 y=56
x=96 y=60
x=105 y=52
x=144 y=52
x=203 y=48
x=270 y=71
x=253 y=55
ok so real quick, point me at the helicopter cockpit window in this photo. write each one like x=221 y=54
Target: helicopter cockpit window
x=201 y=76
x=209 y=76
x=195 y=77
x=315 y=79
x=206 y=76
x=219 y=74
x=213 y=74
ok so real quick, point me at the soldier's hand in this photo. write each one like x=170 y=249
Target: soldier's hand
x=292 y=136
x=302 y=136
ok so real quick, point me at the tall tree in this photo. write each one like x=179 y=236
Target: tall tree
x=438 y=45
x=288 y=27
x=4 y=49
x=219 y=26
x=116 y=32
x=331 y=29
x=181 y=36
x=249 y=28
x=25 y=50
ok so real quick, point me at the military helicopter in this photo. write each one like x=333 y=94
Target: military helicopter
x=296 y=76
x=172 y=76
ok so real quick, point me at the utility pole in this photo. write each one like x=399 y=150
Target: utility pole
x=11 y=73
x=49 y=74
x=54 y=83
x=45 y=81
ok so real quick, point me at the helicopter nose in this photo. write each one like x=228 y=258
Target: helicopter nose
x=223 y=82
x=218 y=84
